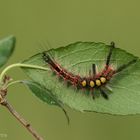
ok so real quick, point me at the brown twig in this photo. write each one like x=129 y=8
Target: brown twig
x=20 y=119
x=4 y=81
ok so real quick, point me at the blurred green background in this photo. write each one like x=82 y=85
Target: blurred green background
x=58 y=23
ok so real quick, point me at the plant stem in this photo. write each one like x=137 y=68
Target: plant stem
x=20 y=65
x=21 y=120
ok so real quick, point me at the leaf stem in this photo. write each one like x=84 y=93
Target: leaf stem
x=21 y=120
x=20 y=65
x=12 y=83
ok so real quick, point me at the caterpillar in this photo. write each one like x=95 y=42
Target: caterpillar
x=94 y=80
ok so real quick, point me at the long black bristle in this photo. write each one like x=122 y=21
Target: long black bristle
x=103 y=94
x=126 y=65
x=93 y=69
x=112 y=46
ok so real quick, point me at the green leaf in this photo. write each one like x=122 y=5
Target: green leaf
x=7 y=46
x=78 y=59
x=44 y=94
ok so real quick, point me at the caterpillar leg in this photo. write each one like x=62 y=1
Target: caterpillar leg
x=92 y=94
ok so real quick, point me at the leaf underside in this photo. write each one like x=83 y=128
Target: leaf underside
x=78 y=59
x=41 y=92
x=7 y=46
x=45 y=95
